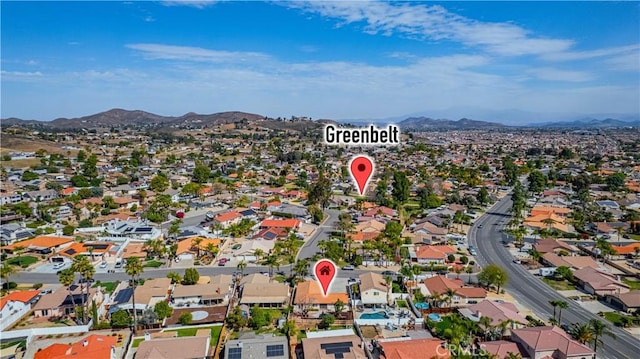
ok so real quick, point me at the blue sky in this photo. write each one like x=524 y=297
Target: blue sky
x=504 y=61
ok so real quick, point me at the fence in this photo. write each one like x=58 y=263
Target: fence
x=34 y=332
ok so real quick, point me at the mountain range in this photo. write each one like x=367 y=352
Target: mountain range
x=120 y=117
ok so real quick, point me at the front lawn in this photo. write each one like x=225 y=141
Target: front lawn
x=109 y=287
x=635 y=237
x=23 y=261
x=190 y=332
x=616 y=318
x=137 y=342
x=633 y=284
x=401 y=303
x=559 y=284
x=152 y=264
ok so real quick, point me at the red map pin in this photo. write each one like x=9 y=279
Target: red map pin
x=361 y=169
x=325 y=271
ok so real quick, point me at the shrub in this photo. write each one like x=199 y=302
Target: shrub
x=37 y=286
x=103 y=325
x=185 y=318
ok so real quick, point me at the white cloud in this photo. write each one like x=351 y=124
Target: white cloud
x=193 y=3
x=435 y=23
x=198 y=54
x=628 y=62
x=554 y=74
x=582 y=55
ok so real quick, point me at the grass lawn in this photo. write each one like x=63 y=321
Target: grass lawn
x=559 y=284
x=136 y=342
x=109 y=287
x=442 y=325
x=401 y=303
x=152 y=264
x=14 y=343
x=190 y=332
x=635 y=237
x=22 y=260
x=615 y=318
x=279 y=278
x=633 y=284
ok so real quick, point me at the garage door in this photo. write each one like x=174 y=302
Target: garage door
x=185 y=256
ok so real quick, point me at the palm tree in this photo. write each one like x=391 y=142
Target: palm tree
x=212 y=249
x=554 y=304
x=258 y=253
x=241 y=266
x=6 y=271
x=511 y=355
x=134 y=269
x=562 y=305
x=449 y=294
x=271 y=261
x=599 y=329
x=435 y=298
x=485 y=323
x=196 y=243
x=388 y=281
x=581 y=332
x=301 y=268
x=66 y=278
x=469 y=270
x=82 y=266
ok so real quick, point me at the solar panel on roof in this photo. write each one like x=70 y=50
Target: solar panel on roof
x=123 y=295
x=99 y=246
x=337 y=349
x=70 y=251
x=275 y=350
x=235 y=353
x=270 y=235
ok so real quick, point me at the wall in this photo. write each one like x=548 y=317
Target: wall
x=19 y=310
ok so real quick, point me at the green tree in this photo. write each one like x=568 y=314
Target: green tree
x=185 y=318
x=400 y=191
x=133 y=267
x=66 y=277
x=537 y=181
x=493 y=275
x=483 y=196
x=235 y=319
x=159 y=183
x=175 y=277
x=259 y=318
x=29 y=176
x=80 y=181
x=120 y=319
x=327 y=321
x=81 y=156
x=564 y=272
x=338 y=307
x=68 y=230
x=320 y=192
x=561 y=305
x=82 y=266
x=599 y=329
x=191 y=276
x=615 y=182
x=163 y=310
x=201 y=174
x=241 y=266
x=581 y=332
x=6 y=271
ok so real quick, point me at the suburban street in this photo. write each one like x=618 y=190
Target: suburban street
x=530 y=291
x=323 y=232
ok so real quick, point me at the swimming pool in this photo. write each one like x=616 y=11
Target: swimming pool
x=434 y=317
x=422 y=305
x=374 y=315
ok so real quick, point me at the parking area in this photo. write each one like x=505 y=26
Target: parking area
x=50 y=267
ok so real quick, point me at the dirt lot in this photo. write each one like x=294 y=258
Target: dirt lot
x=11 y=143
x=215 y=315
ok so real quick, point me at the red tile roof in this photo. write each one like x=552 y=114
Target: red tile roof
x=94 y=347
x=280 y=223
x=415 y=348
x=227 y=216
x=18 y=296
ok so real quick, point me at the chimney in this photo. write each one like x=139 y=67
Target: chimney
x=239 y=344
x=147 y=336
x=85 y=343
x=479 y=314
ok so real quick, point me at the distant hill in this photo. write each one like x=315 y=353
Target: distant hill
x=589 y=123
x=119 y=117
x=426 y=123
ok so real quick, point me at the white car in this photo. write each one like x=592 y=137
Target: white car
x=103 y=264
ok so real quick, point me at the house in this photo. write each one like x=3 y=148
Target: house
x=187 y=247
x=147 y=295
x=333 y=347
x=502 y=349
x=62 y=301
x=369 y=226
x=271 y=234
x=15 y=305
x=227 y=219
x=430 y=233
x=573 y=262
x=309 y=296
x=381 y=211
x=462 y=295
x=126 y=202
x=88 y=249
x=627 y=250
x=595 y=281
x=94 y=346
x=41 y=244
x=433 y=254
x=290 y=224
x=11 y=198
x=40 y=196
x=266 y=295
x=373 y=289
x=12 y=232
x=406 y=348
x=546 y=245
x=627 y=302
x=550 y=342
x=498 y=312
x=197 y=346
x=215 y=292
x=257 y=346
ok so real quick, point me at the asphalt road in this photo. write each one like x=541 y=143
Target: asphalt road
x=310 y=247
x=532 y=292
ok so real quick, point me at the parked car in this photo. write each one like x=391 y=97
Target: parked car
x=389 y=273
x=348 y=267
x=103 y=264
x=222 y=262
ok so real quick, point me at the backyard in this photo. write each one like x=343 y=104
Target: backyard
x=190 y=332
x=23 y=261
x=559 y=284
x=109 y=287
